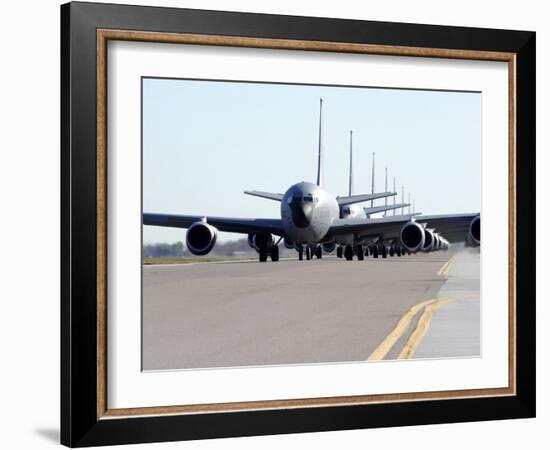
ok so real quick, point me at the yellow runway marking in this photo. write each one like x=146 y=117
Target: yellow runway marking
x=402 y=326
x=423 y=326
x=446 y=268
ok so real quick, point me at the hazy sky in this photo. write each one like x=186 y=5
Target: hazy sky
x=204 y=142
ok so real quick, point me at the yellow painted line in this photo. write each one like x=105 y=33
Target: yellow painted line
x=402 y=326
x=423 y=326
x=446 y=268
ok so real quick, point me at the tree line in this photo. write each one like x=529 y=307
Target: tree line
x=178 y=249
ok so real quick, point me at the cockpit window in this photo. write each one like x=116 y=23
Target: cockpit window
x=310 y=198
x=306 y=198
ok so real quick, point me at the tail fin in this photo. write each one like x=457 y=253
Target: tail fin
x=394 y=197
x=386 y=188
x=372 y=180
x=320 y=157
x=350 y=193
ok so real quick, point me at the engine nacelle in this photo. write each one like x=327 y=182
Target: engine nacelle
x=429 y=240
x=329 y=247
x=437 y=241
x=288 y=243
x=474 y=232
x=412 y=236
x=201 y=238
x=262 y=241
x=251 y=240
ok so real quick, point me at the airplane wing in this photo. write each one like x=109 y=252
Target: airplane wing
x=268 y=195
x=350 y=199
x=453 y=227
x=229 y=224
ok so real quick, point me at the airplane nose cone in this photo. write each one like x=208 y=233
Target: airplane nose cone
x=301 y=212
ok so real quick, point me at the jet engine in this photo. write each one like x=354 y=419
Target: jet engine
x=251 y=240
x=474 y=232
x=412 y=236
x=429 y=240
x=262 y=241
x=288 y=243
x=201 y=238
x=437 y=241
x=329 y=247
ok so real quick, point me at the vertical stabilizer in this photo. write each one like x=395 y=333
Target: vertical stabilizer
x=320 y=157
x=394 y=195
x=372 y=180
x=386 y=190
x=350 y=190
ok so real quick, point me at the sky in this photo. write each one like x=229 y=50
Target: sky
x=205 y=142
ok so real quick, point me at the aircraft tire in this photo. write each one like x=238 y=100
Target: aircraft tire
x=275 y=254
x=319 y=252
x=308 y=252
x=375 y=252
x=392 y=252
x=348 y=252
x=360 y=254
x=263 y=256
x=384 y=252
x=339 y=252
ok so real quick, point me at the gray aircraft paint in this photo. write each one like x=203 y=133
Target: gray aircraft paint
x=311 y=215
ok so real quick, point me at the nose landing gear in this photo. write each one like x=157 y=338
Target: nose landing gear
x=319 y=252
x=348 y=252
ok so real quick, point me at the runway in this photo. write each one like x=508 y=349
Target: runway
x=303 y=312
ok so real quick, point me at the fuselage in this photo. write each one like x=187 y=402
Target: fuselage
x=353 y=211
x=307 y=212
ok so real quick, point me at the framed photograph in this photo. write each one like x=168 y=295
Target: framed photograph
x=272 y=224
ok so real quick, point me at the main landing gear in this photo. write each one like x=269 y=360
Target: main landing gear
x=374 y=250
x=272 y=252
x=310 y=252
x=349 y=251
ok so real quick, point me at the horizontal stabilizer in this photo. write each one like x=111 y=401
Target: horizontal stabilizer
x=377 y=209
x=350 y=199
x=268 y=195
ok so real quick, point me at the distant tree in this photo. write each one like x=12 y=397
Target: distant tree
x=164 y=250
x=178 y=249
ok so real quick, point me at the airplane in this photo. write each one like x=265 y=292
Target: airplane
x=347 y=245
x=310 y=217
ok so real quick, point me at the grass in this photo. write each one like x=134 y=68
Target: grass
x=196 y=259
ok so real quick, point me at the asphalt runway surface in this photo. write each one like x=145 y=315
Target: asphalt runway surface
x=209 y=315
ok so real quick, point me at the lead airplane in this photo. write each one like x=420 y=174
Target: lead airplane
x=310 y=217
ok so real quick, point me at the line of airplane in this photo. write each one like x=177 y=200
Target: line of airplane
x=313 y=220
